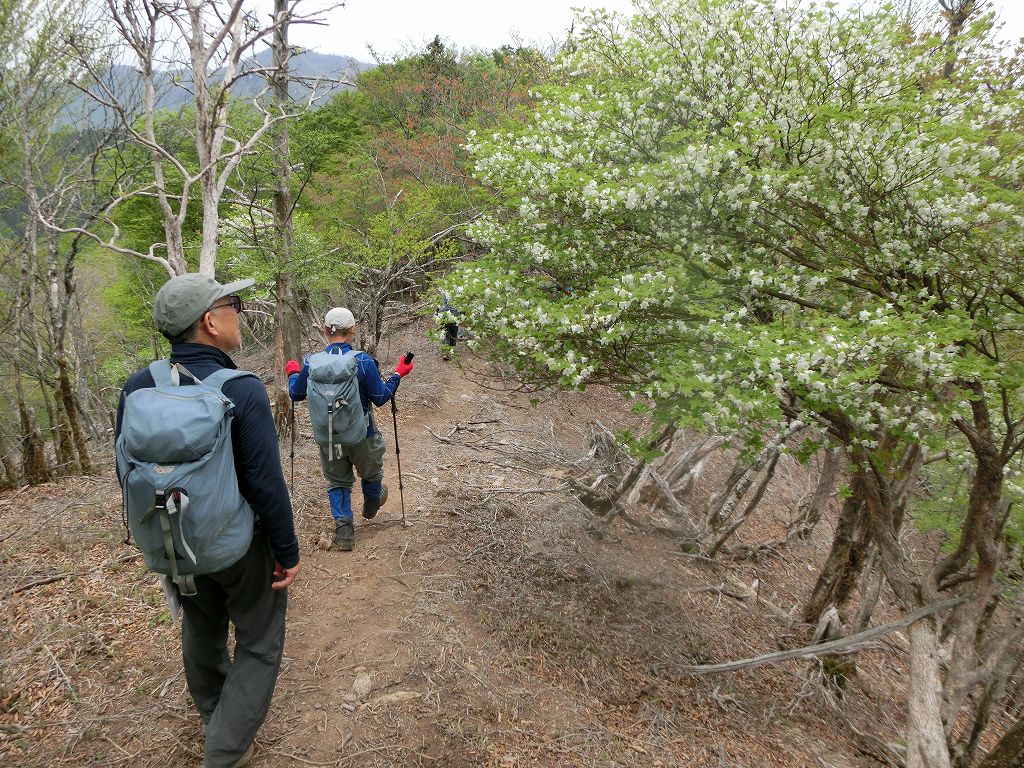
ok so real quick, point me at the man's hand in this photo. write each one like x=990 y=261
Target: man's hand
x=404 y=367
x=284 y=576
x=292 y=366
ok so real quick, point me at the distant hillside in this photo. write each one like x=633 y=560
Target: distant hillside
x=305 y=67
x=173 y=87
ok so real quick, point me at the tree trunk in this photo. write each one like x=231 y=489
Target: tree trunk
x=67 y=464
x=59 y=423
x=1009 y=752
x=870 y=591
x=33 y=447
x=926 y=735
x=59 y=435
x=176 y=263
x=958 y=13
x=61 y=309
x=287 y=328
x=810 y=513
x=843 y=564
x=769 y=473
x=722 y=505
x=994 y=691
x=287 y=345
x=10 y=468
x=368 y=334
x=30 y=328
x=211 y=222
x=33 y=454
x=281 y=398
x=67 y=396
x=88 y=402
x=684 y=472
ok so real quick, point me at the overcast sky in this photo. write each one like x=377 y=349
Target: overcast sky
x=400 y=26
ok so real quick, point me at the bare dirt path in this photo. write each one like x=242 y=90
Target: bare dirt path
x=360 y=622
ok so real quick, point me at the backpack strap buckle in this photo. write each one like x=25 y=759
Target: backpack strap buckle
x=186 y=583
x=331 y=402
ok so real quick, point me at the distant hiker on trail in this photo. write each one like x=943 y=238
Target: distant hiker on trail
x=205 y=499
x=447 y=316
x=341 y=383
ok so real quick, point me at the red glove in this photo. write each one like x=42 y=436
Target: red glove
x=292 y=366
x=404 y=368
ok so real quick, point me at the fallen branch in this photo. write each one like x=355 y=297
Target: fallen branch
x=63 y=674
x=437 y=436
x=849 y=644
x=40 y=582
x=62 y=576
x=686 y=539
x=559 y=489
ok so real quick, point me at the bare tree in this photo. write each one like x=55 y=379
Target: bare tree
x=198 y=50
x=47 y=168
x=287 y=325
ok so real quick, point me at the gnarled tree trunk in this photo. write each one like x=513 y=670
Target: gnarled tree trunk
x=842 y=567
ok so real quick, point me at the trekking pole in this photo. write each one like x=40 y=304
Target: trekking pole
x=291 y=457
x=398 y=453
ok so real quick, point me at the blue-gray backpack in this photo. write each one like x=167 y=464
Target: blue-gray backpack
x=177 y=472
x=335 y=409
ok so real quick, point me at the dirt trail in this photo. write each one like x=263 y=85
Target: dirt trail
x=358 y=625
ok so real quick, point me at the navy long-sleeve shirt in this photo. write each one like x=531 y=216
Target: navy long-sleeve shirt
x=253 y=440
x=371 y=388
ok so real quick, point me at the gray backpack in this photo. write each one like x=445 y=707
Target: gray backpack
x=177 y=472
x=334 y=405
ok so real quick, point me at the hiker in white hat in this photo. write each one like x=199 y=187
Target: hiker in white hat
x=341 y=383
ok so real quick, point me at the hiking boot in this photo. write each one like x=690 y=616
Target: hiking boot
x=245 y=758
x=371 y=504
x=344 y=535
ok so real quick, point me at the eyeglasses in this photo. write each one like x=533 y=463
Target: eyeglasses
x=234 y=302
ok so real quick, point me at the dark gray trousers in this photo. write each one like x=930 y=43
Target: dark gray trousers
x=366 y=458
x=233 y=695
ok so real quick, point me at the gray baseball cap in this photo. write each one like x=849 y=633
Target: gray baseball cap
x=184 y=299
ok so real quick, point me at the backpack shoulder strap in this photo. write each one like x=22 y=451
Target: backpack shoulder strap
x=222 y=376
x=160 y=370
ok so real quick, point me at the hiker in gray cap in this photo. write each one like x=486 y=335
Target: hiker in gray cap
x=341 y=383
x=232 y=691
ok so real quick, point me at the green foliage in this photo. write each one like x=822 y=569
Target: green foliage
x=391 y=184
x=242 y=254
x=943 y=503
x=324 y=136
x=942 y=509
x=120 y=327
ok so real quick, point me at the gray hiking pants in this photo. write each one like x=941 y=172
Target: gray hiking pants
x=233 y=695
x=367 y=458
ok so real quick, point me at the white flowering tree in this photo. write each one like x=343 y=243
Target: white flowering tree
x=747 y=217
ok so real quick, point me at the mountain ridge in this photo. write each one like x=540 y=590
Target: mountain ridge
x=173 y=86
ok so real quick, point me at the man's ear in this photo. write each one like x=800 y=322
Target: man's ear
x=207 y=326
